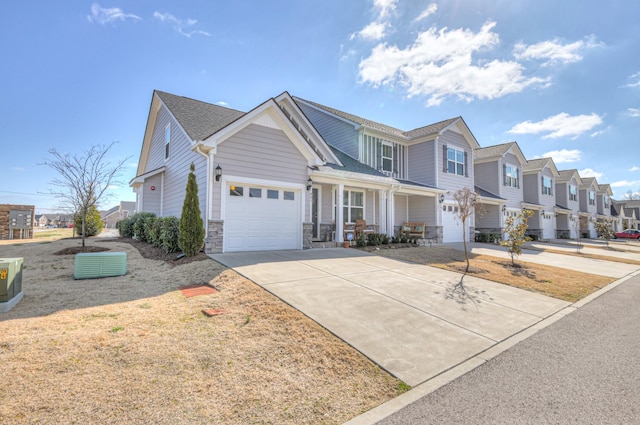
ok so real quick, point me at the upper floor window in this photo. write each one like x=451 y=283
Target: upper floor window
x=167 y=140
x=455 y=161
x=547 y=185
x=387 y=157
x=353 y=206
x=511 y=176
x=573 y=193
x=592 y=197
x=606 y=201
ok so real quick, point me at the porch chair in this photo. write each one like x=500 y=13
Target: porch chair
x=362 y=228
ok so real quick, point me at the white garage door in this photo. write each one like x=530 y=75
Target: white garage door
x=261 y=218
x=548 y=231
x=451 y=225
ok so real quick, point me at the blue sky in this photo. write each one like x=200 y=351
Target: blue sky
x=560 y=77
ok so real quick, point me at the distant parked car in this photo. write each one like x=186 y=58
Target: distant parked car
x=50 y=226
x=628 y=234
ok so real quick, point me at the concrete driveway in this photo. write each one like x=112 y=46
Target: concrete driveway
x=407 y=318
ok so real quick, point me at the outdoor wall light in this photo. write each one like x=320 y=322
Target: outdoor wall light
x=309 y=183
x=441 y=198
x=218 y=173
x=504 y=207
x=542 y=212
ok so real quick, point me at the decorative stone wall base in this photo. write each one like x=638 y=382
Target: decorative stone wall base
x=307 y=235
x=214 y=237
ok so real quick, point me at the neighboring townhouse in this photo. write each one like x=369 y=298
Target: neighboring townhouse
x=117 y=213
x=567 y=204
x=498 y=179
x=438 y=156
x=627 y=212
x=539 y=176
x=588 y=207
x=41 y=220
x=603 y=202
x=290 y=172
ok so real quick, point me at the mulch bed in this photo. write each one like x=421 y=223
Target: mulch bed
x=146 y=250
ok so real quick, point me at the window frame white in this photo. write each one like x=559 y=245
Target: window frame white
x=458 y=165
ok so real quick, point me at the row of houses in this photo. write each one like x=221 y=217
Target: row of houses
x=109 y=217
x=292 y=171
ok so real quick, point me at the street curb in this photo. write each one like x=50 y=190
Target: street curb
x=394 y=405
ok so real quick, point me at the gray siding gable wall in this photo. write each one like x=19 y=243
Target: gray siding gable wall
x=532 y=189
x=514 y=195
x=421 y=163
x=259 y=152
x=177 y=167
x=336 y=132
x=548 y=201
x=453 y=182
x=487 y=176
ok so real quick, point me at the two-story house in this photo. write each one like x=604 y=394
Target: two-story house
x=567 y=204
x=498 y=178
x=588 y=207
x=603 y=202
x=539 y=196
x=291 y=171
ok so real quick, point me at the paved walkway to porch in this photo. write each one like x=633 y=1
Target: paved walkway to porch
x=405 y=317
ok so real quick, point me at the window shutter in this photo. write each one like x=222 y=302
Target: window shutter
x=378 y=155
x=542 y=183
x=395 y=159
x=504 y=174
x=444 y=158
x=466 y=169
x=518 y=178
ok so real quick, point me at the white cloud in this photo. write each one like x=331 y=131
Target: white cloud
x=561 y=125
x=635 y=80
x=182 y=26
x=564 y=155
x=105 y=16
x=440 y=64
x=633 y=112
x=553 y=51
x=430 y=10
x=385 y=6
x=222 y=103
x=373 y=32
x=588 y=172
x=626 y=183
x=634 y=168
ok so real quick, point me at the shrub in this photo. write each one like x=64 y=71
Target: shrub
x=125 y=227
x=361 y=241
x=138 y=225
x=152 y=228
x=169 y=234
x=93 y=222
x=191 y=234
x=488 y=237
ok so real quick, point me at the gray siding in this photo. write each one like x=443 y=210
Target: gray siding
x=422 y=209
x=421 y=163
x=514 y=195
x=562 y=194
x=548 y=201
x=261 y=153
x=531 y=188
x=400 y=210
x=151 y=198
x=487 y=176
x=453 y=182
x=339 y=134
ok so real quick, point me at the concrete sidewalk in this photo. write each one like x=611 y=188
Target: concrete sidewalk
x=405 y=317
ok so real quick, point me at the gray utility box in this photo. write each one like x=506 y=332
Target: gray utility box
x=91 y=265
x=10 y=282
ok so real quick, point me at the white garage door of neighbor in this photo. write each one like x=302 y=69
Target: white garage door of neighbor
x=547 y=226
x=451 y=224
x=261 y=218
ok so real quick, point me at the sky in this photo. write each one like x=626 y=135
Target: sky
x=562 y=78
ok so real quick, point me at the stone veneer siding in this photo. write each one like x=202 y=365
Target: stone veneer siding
x=213 y=240
x=307 y=235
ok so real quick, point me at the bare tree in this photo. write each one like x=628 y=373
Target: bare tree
x=84 y=178
x=466 y=200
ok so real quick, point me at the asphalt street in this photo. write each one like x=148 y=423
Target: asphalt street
x=582 y=369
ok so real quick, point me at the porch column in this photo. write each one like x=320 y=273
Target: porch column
x=340 y=213
x=390 y=213
x=382 y=212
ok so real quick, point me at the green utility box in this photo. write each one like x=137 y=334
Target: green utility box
x=10 y=282
x=91 y=265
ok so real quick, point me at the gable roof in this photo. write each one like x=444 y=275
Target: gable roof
x=605 y=188
x=417 y=133
x=199 y=119
x=566 y=175
x=498 y=151
x=538 y=164
x=588 y=182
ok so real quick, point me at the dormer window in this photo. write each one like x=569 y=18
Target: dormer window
x=592 y=197
x=547 y=185
x=573 y=193
x=387 y=157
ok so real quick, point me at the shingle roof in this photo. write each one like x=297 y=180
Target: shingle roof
x=199 y=119
x=492 y=151
x=408 y=135
x=486 y=194
x=535 y=164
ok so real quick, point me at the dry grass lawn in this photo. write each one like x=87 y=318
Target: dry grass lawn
x=559 y=283
x=134 y=350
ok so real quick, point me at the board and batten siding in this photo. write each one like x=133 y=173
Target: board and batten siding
x=449 y=181
x=259 y=152
x=339 y=134
x=177 y=165
x=421 y=164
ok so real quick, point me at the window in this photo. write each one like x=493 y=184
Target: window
x=255 y=193
x=167 y=140
x=387 y=157
x=573 y=193
x=272 y=194
x=236 y=191
x=455 y=161
x=353 y=206
x=547 y=183
x=511 y=176
x=606 y=201
x=592 y=197
x=288 y=196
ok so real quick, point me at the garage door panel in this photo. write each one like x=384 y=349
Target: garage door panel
x=261 y=223
x=451 y=225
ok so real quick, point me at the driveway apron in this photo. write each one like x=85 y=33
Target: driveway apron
x=407 y=318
